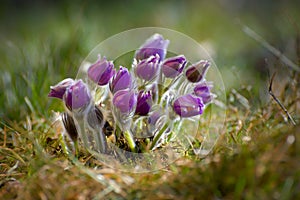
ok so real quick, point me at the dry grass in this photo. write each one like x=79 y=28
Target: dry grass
x=257 y=157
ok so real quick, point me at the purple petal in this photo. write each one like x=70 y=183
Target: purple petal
x=154 y=117
x=59 y=89
x=125 y=101
x=197 y=71
x=173 y=66
x=101 y=71
x=144 y=103
x=147 y=69
x=156 y=44
x=122 y=80
x=202 y=90
x=188 y=106
x=77 y=95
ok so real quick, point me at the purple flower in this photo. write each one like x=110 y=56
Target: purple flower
x=197 y=71
x=173 y=66
x=101 y=71
x=156 y=44
x=153 y=118
x=156 y=120
x=125 y=101
x=144 y=103
x=121 y=80
x=188 y=105
x=77 y=96
x=147 y=69
x=202 y=90
x=59 y=89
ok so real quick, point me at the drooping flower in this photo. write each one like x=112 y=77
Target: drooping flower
x=188 y=106
x=121 y=80
x=197 y=71
x=156 y=44
x=59 y=89
x=125 y=101
x=202 y=90
x=77 y=96
x=147 y=69
x=101 y=71
x=173 y=66
x=144 y=103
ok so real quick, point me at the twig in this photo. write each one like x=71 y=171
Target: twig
x=279 y=103
x=268 y=46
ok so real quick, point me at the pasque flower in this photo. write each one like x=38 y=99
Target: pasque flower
x=125 y=101
x=188 y=106
x=147 y=69
x=77 y=96
x=121 y=80
x=155 y=121
x=59 y=89
x=141 y=101
x=101 y=71
x=173 y=66
x=202 y=90
x=197 y=71
x=154 y=45
x=144 y=103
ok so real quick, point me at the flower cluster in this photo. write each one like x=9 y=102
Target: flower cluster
x=144 y=101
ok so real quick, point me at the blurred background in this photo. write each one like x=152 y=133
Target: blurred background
x=43 y=42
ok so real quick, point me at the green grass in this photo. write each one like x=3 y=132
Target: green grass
x=267 y=166
x=257 y=156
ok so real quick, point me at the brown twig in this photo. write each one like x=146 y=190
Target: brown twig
x=278 y=101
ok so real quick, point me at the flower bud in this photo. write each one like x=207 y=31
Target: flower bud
x=147 y=69
x=101 y=71
x=156 y=120
x=77 y=96
x=59 y=89
x=70 y=126
x=121 y=80
x=202 y=90
x=125 y=101
x=156 y=44
x=197 y=71
x=173 y=66
x=154 y=117
x=144 y=103
x=188 y=106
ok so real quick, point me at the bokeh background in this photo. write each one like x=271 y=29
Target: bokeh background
x=43 y=42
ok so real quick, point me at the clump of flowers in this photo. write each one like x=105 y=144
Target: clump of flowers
x=139 y=105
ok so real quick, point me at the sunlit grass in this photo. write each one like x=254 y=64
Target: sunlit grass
x=256 y=157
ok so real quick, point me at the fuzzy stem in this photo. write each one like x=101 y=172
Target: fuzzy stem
x=158 y=136
x=82 y=134
x=129 y=138
x=100 y=140
x=65 y=149
x=174 y=82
